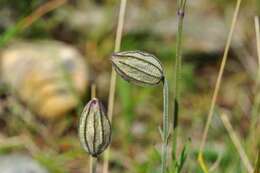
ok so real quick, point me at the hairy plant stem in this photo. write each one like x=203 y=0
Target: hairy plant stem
x=112 y=88
x=165 y=125
x=177 y=74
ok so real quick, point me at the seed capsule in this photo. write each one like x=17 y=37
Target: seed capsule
x=94 y=128
x=138 y=67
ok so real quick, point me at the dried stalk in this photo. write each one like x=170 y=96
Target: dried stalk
x=236 y=142
x=256 y=103
x=217 y=86
x=113 y=75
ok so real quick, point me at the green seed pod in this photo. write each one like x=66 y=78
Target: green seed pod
x=138 y=67
x=94 y=128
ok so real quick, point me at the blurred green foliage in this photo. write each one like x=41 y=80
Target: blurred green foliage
x=20 y=8
x=149 y=166
x=130 y=98
x=51 y=162
x=127 y=103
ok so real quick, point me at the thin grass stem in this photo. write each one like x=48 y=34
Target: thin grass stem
x=90 y=164
x=256 y=103
x=236 y=143
x=216 y=90
x=252 y=139
x=257 y=31
x=112 y=88
x=93 y=91
x=257 y=163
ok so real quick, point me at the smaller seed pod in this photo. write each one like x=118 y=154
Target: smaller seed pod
x=138 y=67
x=94 y=128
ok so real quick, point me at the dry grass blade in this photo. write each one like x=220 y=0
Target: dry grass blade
x=256 y=102
x=22 y=141
x=236 y=142
x=28 y=118
x=257 y=30
x=90 y=164
x=45 y=8
x=216 y=164
x=257 y=163
x=113 y=74
x=217 y=86
x=27 y=21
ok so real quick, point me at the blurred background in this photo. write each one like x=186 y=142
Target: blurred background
x=52 y=51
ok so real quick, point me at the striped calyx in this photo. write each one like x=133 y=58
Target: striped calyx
x=94 y=128
x=138 y=67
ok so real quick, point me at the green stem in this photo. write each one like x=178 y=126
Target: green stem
x=92 y=164
x=177 y=73
x=165 y=125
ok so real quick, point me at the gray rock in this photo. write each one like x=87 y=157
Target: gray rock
x=17 y=163
x=47 y=75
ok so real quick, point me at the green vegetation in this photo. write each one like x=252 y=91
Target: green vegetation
x=136 y=140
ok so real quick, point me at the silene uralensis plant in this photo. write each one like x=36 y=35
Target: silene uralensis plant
x=145 y=69
x=94 y=130
x=139 y=68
